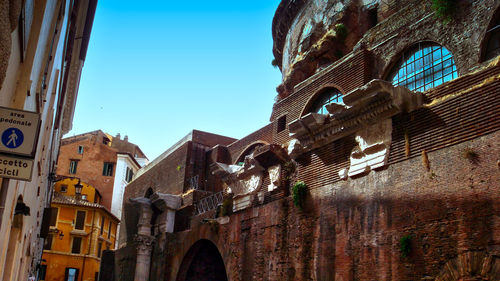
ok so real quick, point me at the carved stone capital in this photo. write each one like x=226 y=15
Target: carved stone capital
x=144 y=243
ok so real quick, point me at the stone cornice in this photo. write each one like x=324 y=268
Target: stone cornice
x=377 y=100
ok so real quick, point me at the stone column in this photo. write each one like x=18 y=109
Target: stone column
x=144 y=240
x=144 y=244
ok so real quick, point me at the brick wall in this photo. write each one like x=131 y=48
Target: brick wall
x=90 y=163
x=346 y=75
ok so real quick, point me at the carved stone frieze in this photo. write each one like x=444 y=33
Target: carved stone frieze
x=375 y=102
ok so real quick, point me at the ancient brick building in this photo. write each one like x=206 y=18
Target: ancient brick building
x=387 y=117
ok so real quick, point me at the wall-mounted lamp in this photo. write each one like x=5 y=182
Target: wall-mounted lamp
x=78 y=187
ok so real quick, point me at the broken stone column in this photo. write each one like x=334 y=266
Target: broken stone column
x=144 y=240
x=167 y=204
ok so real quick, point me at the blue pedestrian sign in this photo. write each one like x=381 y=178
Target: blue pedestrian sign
x=18 y=132
x=12 y=138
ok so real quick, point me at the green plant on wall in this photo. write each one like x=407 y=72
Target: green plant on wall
x=341 y=31
x=405 y=245
x=299 y=192
x=445 y=9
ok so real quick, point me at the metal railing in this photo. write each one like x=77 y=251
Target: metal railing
x=209 y=203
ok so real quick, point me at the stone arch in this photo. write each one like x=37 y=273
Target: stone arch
x=202 y=262
x=149 y=192
x=471 y=266
x=249 y=149
x=494 y=21
x=316 y=94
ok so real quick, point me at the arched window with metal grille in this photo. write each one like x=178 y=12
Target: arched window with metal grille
x=327 y=96
x=423 y=66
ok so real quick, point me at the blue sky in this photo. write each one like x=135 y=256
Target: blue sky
x=158 y=69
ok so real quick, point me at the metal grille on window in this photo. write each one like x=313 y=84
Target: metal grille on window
x=424 y=66
x=330 y=95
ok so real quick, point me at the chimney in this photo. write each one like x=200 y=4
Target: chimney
x=118 y=136
x=125 y=138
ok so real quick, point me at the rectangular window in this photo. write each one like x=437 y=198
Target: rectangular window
x=129 y=175
x=99 y=249
x=64 y=187
x=102 y=225
x=109 y=229
x=107 y=169
x=53 y=216
x=80 y=220
x=77 y=244
x=47 y=243
x=80 y=149
x=281 y=123
x=72 y=166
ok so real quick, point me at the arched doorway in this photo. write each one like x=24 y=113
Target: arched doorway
x=202 y=262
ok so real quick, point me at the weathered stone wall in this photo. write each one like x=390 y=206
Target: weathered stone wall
x=351 y=230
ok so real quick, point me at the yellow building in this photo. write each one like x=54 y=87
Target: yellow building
x=80 y=229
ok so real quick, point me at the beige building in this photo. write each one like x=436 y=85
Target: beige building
x=43 y=45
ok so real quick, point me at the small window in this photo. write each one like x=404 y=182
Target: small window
x=80 y=220
x=72 y=166
x=53 y=216
x=281 y=123
x=129 y=175
x=99 y=249
x=327 y=96
x=102 y=225
x=80 y=149
x=109 y=229
x=77 y=244
x=47 y=243
x=107 y=169
x=424 y=66
x=64 y=187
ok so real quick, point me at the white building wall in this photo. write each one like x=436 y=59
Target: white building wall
x=22 y=89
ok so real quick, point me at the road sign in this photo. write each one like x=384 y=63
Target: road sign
x=16 y=167
x=18 y=131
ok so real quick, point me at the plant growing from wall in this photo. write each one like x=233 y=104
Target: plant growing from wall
x=274 y=63
x=226 y=207
x=299 y=192
x=341 y=31
x=445 y=9
x=405 y=245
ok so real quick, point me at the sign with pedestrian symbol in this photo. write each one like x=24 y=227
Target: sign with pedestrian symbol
x=18 y=131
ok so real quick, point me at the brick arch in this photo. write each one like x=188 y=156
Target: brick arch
x=486 y=36
x=247 y=150
x=471 y=266
x=202 y=262
x=316 y=94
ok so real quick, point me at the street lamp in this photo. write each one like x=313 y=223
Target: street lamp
x=78 y=189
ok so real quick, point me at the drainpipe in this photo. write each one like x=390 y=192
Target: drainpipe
x=90 y=245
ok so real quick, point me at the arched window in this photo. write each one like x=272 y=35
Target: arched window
x=327 y=96
x=424 y=66
x=493 y=47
